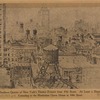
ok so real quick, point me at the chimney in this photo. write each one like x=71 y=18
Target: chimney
x=31 y=20
x=21 y=27
x=59 y=38
x=34 y=32
x=27 y=35
x=34 y=35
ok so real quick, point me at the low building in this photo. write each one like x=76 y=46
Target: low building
x=22 y=53
x=70 y=71
x=21 y=57
x=83 y=50
x=79 y=71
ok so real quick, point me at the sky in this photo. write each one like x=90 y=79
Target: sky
x=59 y=16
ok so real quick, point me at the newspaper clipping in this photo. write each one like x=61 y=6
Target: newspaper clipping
x=49 y=51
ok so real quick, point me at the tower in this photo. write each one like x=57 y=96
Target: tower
x=2 y=31
x=50 y=66
x=44 y=19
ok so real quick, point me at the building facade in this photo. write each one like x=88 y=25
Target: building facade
x=2 y=32
x=21 y=57
x=6 y=61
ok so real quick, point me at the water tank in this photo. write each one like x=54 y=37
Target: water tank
x=50 y=54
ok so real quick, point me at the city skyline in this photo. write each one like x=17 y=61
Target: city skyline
x=65 y=18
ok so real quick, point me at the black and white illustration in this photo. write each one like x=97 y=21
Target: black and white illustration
x=44 y=47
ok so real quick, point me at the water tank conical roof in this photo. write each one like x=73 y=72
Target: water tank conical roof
x=51 y=47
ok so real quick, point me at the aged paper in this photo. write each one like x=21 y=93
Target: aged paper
x=49 y=50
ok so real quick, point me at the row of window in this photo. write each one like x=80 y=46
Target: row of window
x=23 y=50
x=7 y=54
x=6 y=49
x=8 y=59
x=16 y=59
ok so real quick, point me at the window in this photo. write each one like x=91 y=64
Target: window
x=16 y=59
x=65 y=73
x=12 y=59
x=5 y=54
x=8 y=59
x=5 y=59
x=0 y=58
x=6 y=62
x=5 y=49
x=79 y=78
x=0 y=63
x=28 y=68
x=73 y=75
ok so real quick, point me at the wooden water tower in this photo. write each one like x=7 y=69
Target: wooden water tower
x=50 y=65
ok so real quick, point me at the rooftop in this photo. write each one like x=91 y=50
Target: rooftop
x=74 y=61
x=51 y=47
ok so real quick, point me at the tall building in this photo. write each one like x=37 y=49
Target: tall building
x=44 y=21
x=44 y=17
x=2 y=31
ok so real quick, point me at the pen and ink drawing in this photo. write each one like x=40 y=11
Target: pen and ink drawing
x=49 y=47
